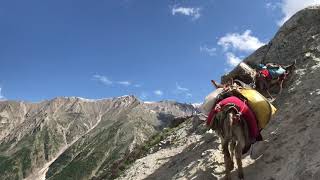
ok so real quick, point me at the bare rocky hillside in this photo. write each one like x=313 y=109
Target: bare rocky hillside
x=290 y=150
x=76 y=138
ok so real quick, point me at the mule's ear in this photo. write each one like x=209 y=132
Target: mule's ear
x=231 y=81
x=214 y=83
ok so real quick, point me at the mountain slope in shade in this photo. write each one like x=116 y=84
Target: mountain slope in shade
x=57 y=138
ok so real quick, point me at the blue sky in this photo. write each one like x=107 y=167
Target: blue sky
x=152 y=49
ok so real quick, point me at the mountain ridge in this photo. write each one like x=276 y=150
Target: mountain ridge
x=35 y=135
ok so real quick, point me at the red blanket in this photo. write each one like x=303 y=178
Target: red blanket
x=245 y=110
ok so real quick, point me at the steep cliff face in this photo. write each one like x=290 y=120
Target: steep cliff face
x=290 y=149
x=292 y=138
x=75 y=137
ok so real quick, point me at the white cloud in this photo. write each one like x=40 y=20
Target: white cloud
x=137 y=85
x=269 y=5
x=232 y=60
x=273 y=6
x=290 y=7
x=102 y=79
x=105 y=80
x=242 y=42
x=158 y=92
x=1 y=96
x=125 y=83
x=206 y=49
x=233 y=43
x=144 y=96
x=181 y=89
x=193 y=12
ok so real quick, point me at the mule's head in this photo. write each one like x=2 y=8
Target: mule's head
x=260 y=81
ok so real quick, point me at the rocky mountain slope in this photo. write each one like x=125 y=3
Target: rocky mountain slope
x=290 y=150
x=76 y=138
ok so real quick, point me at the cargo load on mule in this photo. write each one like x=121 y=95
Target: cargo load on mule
x=266 y=78
x=261 y=107
x=270 y=74
x=211 y=100
x=242 y=72
x=256 y=109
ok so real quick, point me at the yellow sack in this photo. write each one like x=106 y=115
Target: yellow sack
x=210 y=101
x=262 y=108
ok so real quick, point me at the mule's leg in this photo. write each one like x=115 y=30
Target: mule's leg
x=227 y=130
x=238 y=152
x=267 y=85
x=264 y=86
x=232 y=150
x=281 y=87
x=261 y=84
x=227 y=159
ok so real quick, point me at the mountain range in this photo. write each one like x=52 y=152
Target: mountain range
x=76 y=138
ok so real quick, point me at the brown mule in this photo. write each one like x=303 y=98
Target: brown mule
x=264 y=84
x=233 y=132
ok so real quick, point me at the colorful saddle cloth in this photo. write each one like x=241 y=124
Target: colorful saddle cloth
x=271 y=72
x=245 y=110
